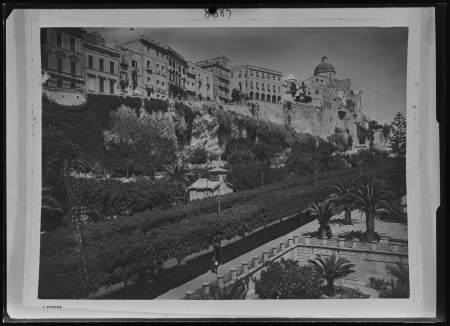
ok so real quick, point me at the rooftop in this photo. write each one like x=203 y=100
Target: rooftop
x=204 y=183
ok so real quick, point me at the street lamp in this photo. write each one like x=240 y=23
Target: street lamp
x=315 y=175
x=217 y=242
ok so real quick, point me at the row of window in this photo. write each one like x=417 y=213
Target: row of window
x=59 y=64
x=101 y=85
x=262 y=86
x=59 y=39
x=263 y=75
x=101 y=64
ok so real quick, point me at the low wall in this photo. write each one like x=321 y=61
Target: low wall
x=370 y=259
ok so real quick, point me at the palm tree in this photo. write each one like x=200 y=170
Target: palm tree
x=235 y=291
x=323 y=211
x=331 y=270
x=400 y=271
x=342 y=202
x=178 y=175
x=371 y=196
x=67 y=156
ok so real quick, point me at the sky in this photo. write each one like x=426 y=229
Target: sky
x=374 y=58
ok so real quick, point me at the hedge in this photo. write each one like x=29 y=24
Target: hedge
x=136 y=245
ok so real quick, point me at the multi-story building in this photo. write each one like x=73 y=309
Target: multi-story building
x=219 y=66
x=261 y=84
x=198 y=83
x=176 y=74
x=143 y=68
x=101 y=68
x=62 y=57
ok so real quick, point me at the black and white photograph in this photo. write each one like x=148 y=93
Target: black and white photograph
x=252 y=163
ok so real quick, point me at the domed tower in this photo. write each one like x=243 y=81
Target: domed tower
x=325 y=69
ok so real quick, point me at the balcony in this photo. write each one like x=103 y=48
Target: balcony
x=124 y=80
x=148 y=86
x=149 y=70
x=124 y=62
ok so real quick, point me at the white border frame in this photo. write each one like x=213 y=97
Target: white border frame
x=422 y=162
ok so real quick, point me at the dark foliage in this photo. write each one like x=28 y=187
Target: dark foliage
x=287 y=280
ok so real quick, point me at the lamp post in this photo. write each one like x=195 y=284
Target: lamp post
x=315 y=175
x=217 y=242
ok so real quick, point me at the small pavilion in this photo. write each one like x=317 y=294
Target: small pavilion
x=216 y=184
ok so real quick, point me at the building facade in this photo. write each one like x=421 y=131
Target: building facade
x=261 y=84
x=177 y=67
x=62 y=57
x=219 y=66
x=198 y=83
x=143 y=68
x=101 y=69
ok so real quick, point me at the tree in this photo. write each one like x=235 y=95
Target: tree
x=234 y=291
x=331 y=270
x=339 y=197
x=286 y=279
x=293 y=90
x=68 y=153
x=178 y=175
x=370 y=195
x=323 y=212
x=199 y=155
x=236 y=95
x=397 y=139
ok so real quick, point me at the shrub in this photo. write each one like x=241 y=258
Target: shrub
x=189 y=117
x=153 y=105
x=132 y=102
x=287 y=280
x=335 y=162
x=199 y=156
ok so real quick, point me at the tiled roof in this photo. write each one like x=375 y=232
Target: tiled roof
x=204 y=183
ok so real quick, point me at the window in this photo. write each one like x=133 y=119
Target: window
x=91 y=84
x=134 y=64
x=262 y=86
x=279 y=89
x=274 y=78
x=72 y=43
x=251 y=83
x=58 y=39
x=257 y=84
x=148 y=80
x=91 y=61
x=240 y=86
x=100 y=64
x=59 y=83
x=231 y=74
x=111 y=67
x=246 y=85
x=111 y=87
x=251 y=72
x=157 y=82
x=73 y=67
x=44 y=60
x=157 y=53
x=162 y=84
x=263 y=75
x=59 y=64
x=279 y=78
x=43 y=35
x=274 y=90
x=102 y=85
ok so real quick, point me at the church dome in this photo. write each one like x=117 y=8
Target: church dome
x=324 y=67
